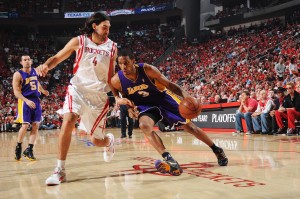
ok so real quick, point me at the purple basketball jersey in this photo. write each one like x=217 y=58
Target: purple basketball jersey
x=29 y=90
x=149 y=96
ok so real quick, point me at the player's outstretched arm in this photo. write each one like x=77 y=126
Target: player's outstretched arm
x=157 y=76
x=63 y=54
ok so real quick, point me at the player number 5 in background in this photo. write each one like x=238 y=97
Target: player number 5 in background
x=32 y=85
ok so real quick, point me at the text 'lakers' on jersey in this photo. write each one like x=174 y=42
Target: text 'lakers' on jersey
x=142 y=90
x=93 y=65
x=29 y=84
x=152 y=97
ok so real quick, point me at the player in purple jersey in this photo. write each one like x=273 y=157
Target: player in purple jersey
x=154 y=98
x=27 y=89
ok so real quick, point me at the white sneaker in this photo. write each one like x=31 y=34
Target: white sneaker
x=58 y=176
x=109 y=151
x=236 y=132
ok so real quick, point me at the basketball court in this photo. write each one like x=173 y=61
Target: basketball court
x=259 y=167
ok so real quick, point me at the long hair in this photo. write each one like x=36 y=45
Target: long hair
x=96 y=18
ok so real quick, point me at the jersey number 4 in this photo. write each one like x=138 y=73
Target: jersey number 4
x=95 y=61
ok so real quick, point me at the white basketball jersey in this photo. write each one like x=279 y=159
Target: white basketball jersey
x=93 y=65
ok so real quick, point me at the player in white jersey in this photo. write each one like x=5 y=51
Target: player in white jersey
x=87 y=95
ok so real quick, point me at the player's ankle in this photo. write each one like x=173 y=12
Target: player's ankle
x=215 y=148
x=167 y=156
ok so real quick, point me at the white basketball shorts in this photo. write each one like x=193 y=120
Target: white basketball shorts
x=91 y=107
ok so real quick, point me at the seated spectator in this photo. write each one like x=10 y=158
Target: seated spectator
x=247 y=107
x=293 y=67
x=278 y=100
x=289 y=110
x=231 y=98
x=10 y=126
x=47 y=124
x=253 y=95
x=261 y=116
x=278 y=84
x=113 y=117
x=280 y=69
x=297 y=79
x=288 y=79
x=203 y=100
x=224 y=97
x=109 y=118
x=297 y=88
x=2 y=123
x=216 y=99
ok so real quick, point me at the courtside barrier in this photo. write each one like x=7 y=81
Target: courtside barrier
x=217 y=117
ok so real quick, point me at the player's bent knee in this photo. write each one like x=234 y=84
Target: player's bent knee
x=145 y=127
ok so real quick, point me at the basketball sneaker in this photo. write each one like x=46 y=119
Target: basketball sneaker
x=236 y=132
x=171 y=166
x=18 y=152
x=222 y=159
x=28 y=153
x=58 y=177
x=109 y=151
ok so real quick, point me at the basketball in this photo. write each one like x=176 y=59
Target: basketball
x=190 y=108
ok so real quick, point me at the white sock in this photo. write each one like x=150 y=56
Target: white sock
x=61 y=163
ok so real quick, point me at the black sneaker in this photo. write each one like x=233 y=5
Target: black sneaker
x=28 y=153
x=172 y=167
x=256 y=132
x=130 y=137
x=291 y=132
x=222 y=159
x=18 y=152
x=281 y=131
